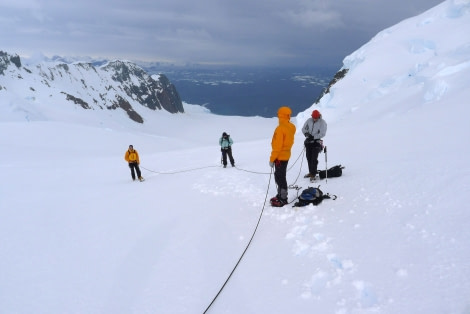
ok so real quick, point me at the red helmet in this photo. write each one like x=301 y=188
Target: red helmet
x=316 y=114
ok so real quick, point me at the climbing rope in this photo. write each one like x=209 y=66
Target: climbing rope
x=256 y=172
x=249 y=242
x=301 y=164
x=240 y=169
x=291 y=186
x=179 y=171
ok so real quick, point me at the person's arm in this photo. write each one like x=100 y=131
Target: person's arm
x=306 y=128
x=322 y=130
x=276 y=145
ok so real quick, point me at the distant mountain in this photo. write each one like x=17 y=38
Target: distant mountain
x=115 y=85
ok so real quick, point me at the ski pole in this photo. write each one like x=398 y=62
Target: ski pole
x=326 y=165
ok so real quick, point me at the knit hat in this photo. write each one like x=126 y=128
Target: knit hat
x=316 y=114
x=224 y=134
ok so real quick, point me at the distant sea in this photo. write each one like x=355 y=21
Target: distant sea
x=249 y=91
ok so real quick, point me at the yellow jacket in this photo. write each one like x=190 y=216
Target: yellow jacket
x=283 y=137
x=132 y=156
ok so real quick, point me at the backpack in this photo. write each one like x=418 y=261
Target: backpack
x=333 y=172
x=313 y=196
x=132 y=156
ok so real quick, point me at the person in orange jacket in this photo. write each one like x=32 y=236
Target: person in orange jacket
x=281 y=143
x=132 y=157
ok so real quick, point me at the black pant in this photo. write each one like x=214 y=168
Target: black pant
x=280 y=170
x=225 y=152
x=311 y=151
x=134 y=165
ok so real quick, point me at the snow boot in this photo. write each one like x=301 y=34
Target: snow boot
x=278 y=202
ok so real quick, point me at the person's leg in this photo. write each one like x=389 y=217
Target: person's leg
x=315 y=152
x=281 y=180
x=137 y=168
x=310 y=159
x=224 y=157
x=229 y=152
x=131 y=165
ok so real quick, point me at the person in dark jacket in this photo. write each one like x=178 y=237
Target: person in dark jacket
x=132 y=157
x=226 y=143
x=314 y=130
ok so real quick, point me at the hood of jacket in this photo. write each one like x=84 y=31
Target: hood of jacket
x=284 y=113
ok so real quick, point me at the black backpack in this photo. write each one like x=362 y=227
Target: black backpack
x=313 y=196
x=333 y=172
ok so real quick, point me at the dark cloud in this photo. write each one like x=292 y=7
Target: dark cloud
x=248 y=32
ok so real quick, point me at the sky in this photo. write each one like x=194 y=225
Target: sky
x=79 y=236
x=220 y=32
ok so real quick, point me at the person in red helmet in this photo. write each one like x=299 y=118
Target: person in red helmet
x=314 y=130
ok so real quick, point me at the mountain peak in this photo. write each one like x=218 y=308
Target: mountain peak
x=116 y=85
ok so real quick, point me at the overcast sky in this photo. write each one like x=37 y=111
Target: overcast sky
x=243 y=32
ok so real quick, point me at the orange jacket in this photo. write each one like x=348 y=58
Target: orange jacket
x=283 y=137
x=132 y=156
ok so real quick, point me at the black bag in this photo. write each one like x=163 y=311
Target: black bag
x=333 y=172
x=311 y=195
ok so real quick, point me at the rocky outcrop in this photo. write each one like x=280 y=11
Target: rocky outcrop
x=6 y=60
x=338 y=76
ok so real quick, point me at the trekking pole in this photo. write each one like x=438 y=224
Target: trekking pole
x=326 y=165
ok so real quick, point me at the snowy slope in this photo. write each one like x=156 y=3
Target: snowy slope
x=78 y=236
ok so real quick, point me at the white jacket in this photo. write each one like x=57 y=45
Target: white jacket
x=317 y=129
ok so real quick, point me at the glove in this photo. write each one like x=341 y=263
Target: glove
x=271 y=164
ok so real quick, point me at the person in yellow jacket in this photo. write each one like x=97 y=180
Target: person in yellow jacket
x=281 y=143
x=132 y=157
